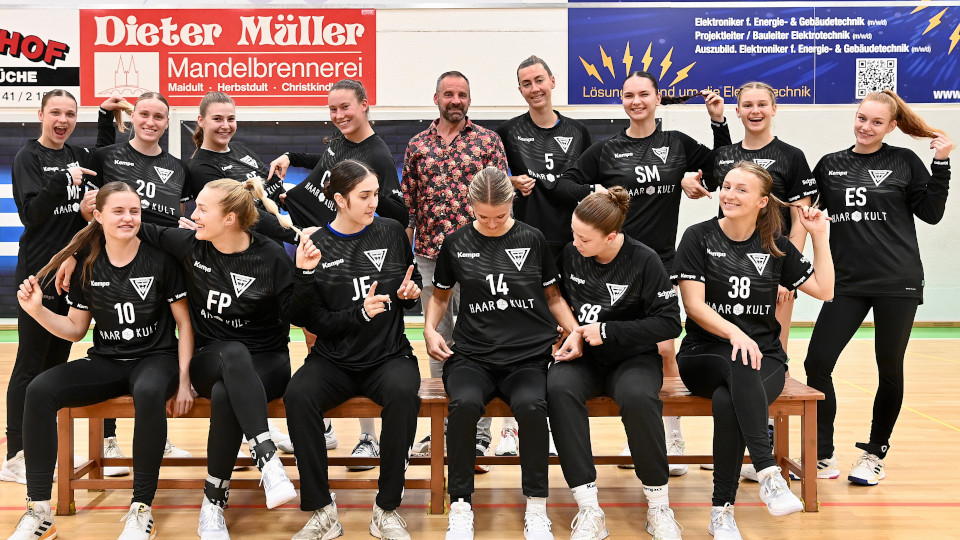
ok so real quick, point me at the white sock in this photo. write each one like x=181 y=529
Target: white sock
x=769 y=471
x=586 y=495
x=537 y=505
x=671 y=424
x=43 y=507
x=657 y=495
x=369 y=427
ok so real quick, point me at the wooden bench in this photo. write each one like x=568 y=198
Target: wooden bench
x=796 y=400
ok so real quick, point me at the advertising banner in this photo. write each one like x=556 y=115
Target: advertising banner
x=36 y=56
x=810 y=54
x=267 y=57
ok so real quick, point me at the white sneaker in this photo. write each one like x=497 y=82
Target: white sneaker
x=460 y=522
x=706 y=466
x=367 y=446
x=776 y=494
x=589 y=524
x=111 y=449
x=827 y=468
x=537 y=526
x=422 y=447
x=867 y=471
x=662 y=524
x=625 y=452
x=169 y=450
x=749 y=472
x=276 y=485
x=241 y=454
x=551 y=448
x=330 y=438
x=388 y=524
x=323 y=524
x=675 y=447
x=212 y=526
x=35 y=524
x=722 y=525
x=14 y=469
x=509 y=445
x=281 y=439
x=140 y=524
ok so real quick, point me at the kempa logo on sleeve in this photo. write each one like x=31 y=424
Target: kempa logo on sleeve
x=241 y=283
x=879 y=176
x=564 y=142
x=616 y=292
x=662 y=153
x=518 y=256
x=765 y=163
x=142 y=285
x=759 y=260
x=164 y=174
x=376 y=257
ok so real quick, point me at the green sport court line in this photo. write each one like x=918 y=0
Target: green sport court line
x=801 y=332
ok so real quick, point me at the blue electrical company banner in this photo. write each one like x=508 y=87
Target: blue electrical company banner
x=831 y=55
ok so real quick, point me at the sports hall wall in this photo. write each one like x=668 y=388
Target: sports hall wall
x=415 y=44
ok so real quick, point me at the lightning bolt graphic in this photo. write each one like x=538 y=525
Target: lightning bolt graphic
x=934 y=21
x=922 y=5
x=682 y=74
x=607 y=61
x=954 y=38
x=591 y=69
x=647 y=58
x=666 y=64
x=627 y=59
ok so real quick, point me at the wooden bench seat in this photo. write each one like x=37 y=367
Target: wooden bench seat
x=796 y=400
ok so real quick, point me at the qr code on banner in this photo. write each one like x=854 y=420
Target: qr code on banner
x=876 y=74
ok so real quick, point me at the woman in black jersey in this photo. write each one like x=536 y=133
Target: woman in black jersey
x=53 y=205
x=651 y=163
x=625 y=305
x=239 y=287
x=510 y=308
x=218 y=156
x=729 y=271
x=873 y=192
x=793 y=182
x=159 y=178
x=137 y=295
x=349 y=112
x=361 y=348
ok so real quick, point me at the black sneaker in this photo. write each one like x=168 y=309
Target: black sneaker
x=482 y=448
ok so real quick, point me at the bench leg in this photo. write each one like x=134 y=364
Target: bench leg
x=65 y=501
x=95 y=445
x=808 y=456
x=437 y=478
x=781 y=443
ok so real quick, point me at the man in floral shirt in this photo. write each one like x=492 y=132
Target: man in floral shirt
x=437 y=168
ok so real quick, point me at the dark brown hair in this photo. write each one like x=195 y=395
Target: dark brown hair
x=533 y=60
x=604 y=212
x=664 y=100
x=208 y=99
x=89 y=238
x=344 y=177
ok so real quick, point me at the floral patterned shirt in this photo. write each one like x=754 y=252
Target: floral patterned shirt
x=436 y=180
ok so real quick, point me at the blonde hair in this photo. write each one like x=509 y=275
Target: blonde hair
x=491 y=186
x=907 y=120
x=240 y=198
x=769 y=220
x=757 y=85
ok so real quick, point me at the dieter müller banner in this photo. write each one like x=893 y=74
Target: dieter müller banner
x=272 y=57
x=828 y=55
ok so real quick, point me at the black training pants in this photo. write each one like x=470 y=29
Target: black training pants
x=321 y=385
x=741 y=400
x=151 y=381
x=239 y=386
x=470 y=386
x=635 y=385
x=836 y=325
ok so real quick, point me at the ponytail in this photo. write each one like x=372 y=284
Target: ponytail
x=255 y=187
x=240 y=198
x=89 y=239
x=123 y=106
x=769 y=220
x=907 y=120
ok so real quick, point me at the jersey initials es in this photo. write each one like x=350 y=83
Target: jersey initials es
x=740 y=278
x=504 y=317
